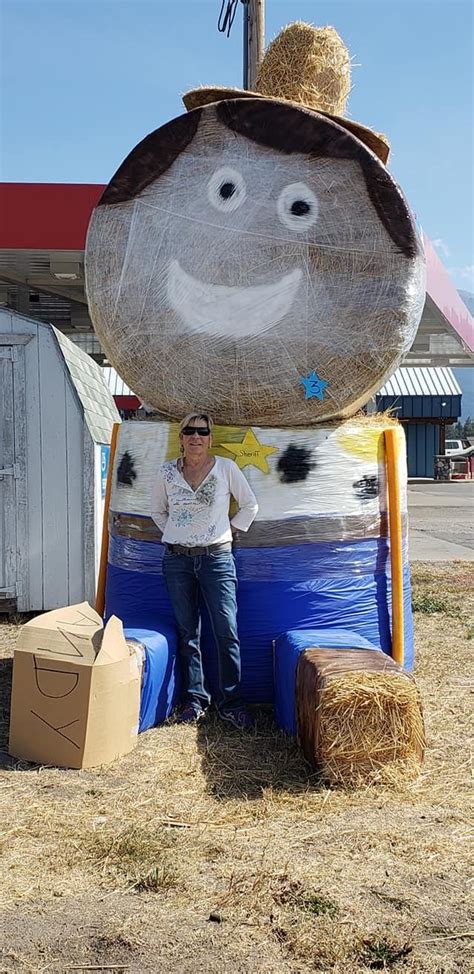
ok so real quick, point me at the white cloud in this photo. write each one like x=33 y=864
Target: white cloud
x=441 y=246
x=463 y=277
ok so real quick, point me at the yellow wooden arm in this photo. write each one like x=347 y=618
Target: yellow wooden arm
x=104 y=550
x=395 y=537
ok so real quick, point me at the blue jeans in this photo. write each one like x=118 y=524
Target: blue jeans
x=213 y=577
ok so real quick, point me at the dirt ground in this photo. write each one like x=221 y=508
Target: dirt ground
x=208 y=850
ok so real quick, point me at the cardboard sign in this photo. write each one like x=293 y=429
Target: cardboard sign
x=76 y=690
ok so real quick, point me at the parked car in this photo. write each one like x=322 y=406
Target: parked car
x=452 y=447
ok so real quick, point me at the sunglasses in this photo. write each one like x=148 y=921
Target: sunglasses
x=200 y=430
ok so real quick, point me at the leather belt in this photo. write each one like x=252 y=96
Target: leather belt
x=179 y=549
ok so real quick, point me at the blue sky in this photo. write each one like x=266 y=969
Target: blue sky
x=84 y=81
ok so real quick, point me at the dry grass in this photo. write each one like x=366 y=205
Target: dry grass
x=208 y=849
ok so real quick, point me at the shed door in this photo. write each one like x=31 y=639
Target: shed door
x=422 y=446
x=8 y=469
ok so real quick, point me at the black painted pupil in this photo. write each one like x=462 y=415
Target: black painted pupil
x=227 y=190
x=299 y=208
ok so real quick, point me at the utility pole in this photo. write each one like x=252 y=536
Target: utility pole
x=254 y=40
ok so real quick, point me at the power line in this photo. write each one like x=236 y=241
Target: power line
x=227 y=15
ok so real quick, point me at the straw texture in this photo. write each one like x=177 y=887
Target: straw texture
x=308 y=65
x=358 y=712
x=308 y=265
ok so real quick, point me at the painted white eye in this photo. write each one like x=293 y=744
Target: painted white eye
x=297 y=207
x=226 y=189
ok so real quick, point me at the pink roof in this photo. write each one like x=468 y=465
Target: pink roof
x=441 y=289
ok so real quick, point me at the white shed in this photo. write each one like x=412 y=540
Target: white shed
x=56 y=418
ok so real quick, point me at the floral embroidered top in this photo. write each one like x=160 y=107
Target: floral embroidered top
x=201 y=517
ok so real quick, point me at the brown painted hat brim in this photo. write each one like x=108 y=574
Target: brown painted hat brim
x=198 y=97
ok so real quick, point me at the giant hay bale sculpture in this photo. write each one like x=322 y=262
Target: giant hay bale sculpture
x=255 y=259
x=254 y=243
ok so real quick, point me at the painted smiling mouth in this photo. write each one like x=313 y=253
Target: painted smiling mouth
x=238 y=311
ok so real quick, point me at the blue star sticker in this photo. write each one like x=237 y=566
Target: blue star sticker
x=313 y=386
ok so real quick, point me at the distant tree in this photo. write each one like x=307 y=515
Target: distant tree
x=460 y=431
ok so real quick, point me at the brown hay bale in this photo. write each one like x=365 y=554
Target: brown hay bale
x=307 y=65
x=358 y=712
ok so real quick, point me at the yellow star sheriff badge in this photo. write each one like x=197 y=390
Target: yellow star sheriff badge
x=250 y=452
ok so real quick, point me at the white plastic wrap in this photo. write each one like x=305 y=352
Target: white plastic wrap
x=322 y=484
x=256 y=260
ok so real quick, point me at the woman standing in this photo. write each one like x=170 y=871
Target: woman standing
x=190 y=505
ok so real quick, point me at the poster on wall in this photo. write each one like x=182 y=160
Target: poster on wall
x=104 y=468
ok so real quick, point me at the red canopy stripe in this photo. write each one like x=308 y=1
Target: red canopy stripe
x=46 y=216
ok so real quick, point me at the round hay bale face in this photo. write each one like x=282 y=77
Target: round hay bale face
x=256 y=258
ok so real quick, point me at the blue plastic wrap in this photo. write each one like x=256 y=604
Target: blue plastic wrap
x=288 y=648
x=339 y=585
x=297 y=562
x=316 y=557
x=160 y=674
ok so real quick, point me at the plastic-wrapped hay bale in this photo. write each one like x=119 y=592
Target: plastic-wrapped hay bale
x=257 y=252
x=316 y=557
x=156 y=652
x=358 y=712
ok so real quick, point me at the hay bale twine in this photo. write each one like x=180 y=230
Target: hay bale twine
x=307 y=65
x=358 y=712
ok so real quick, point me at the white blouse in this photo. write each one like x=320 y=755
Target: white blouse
x=201 y=517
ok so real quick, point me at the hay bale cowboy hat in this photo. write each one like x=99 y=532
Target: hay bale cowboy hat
x=306 y=66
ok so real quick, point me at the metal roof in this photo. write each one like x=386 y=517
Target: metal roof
x=115 y=383
x=422 y=381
